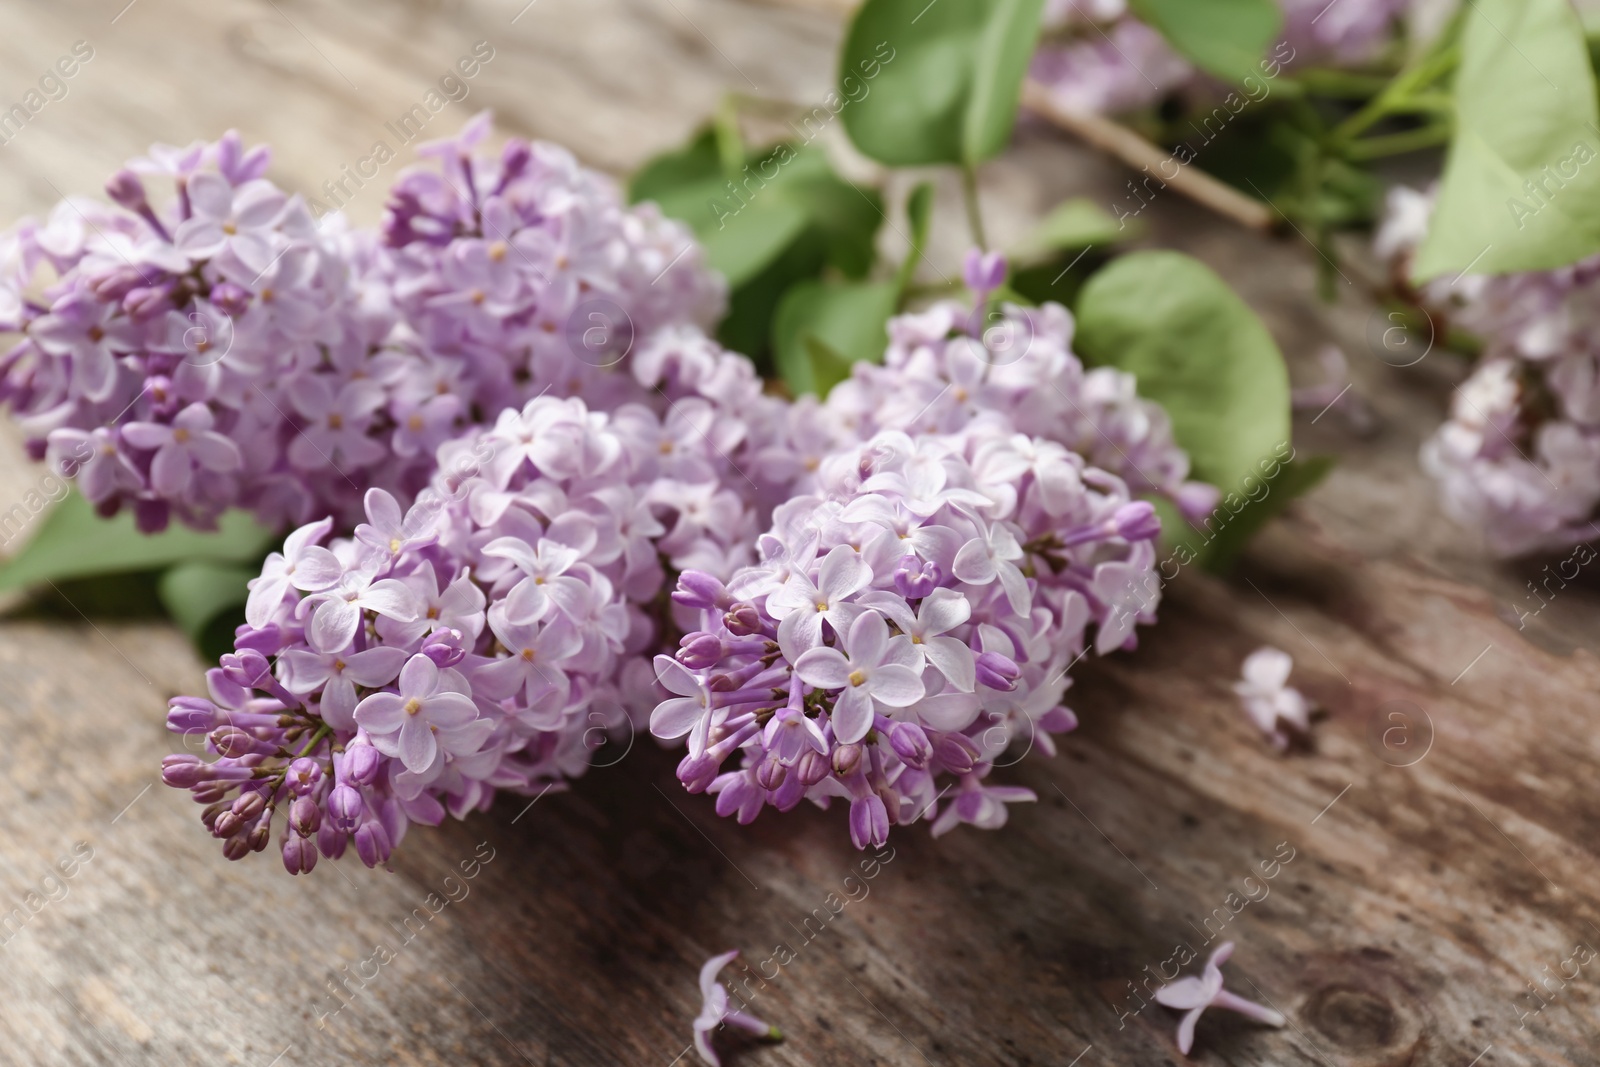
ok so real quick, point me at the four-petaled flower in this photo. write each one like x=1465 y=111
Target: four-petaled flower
x=801 y=606
x=189 y=442
x=1275 y=708
x=1193 y=996
x=423 y=718
x=878 y=670
x=714 y=1011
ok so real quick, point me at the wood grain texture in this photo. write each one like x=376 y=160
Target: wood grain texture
x=1419 y=901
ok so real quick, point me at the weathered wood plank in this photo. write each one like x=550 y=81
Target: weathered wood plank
x=1418 y=903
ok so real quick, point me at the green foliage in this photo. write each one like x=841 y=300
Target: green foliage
x=780 y=217
x=1525 y=113
x=1196 y=349
x=946 y=77
x=1073 y=225
x=822 y=328
x=1226 y=38
x=199 y=594
x=1219 y=551
x=75 y=543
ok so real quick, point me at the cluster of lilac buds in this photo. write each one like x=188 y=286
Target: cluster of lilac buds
x=1519 y=457
x=909 y=620
x=486 y=639
x=222 y=350
x=1096 y=57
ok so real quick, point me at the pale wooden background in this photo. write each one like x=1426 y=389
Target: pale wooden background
x=1416 y=910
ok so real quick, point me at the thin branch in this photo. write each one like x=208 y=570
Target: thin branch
x=1117 y=140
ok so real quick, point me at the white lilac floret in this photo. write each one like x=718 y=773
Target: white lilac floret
x=910 y=618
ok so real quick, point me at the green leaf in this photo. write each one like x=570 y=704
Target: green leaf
x=1218 y=547
x=196 y=594
x=821 y=329
x=935 y=82
x=1197 y=350
x=998 y=70
x=1525 y=112
x=74 y=542
x=1223 y=37
x=785 y=219
x=1073 y=224
x=919 y=212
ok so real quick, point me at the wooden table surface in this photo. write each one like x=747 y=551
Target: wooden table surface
x=1420 y=901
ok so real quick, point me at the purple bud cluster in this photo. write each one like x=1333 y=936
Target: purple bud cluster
x=1519 y=456
x=910 y=618
x=214 y=347
x=488 y=638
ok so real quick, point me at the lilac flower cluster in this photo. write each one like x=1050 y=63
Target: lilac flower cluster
x=910 y=618
x=223 y=350
x=1097 y=57
x=1519 y=457
x=486 y=639
x=948 y=369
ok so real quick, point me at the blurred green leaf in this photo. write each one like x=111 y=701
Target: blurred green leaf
x=919 y=213
x=1227 y=38
x=1521 y=187
x=1010 y=35
x=1219 y=551
x=1196 y=349
x=1073 y=225
x=197 y=594
x=821 y=328
x=943 y=78
x=74 y=542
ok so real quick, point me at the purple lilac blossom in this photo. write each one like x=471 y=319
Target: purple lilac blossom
x=483 y=640
x=1519 y=457
x=223 y=350
x=1096 y=57
x=912 y=615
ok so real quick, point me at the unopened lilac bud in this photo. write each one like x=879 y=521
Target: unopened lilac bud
x=771 y=774
x=891 y=801
x=444 y=648
x=227 y=824
x=207 y=792
x=230 y=299
x=299 y=855
x=742 y=620
x=910 y=743
x=233 y=742
x=268 y=640
x=955 y=753
x=249 y=805
x=697 y=589
x=697 y=772
x=915 y=578
x=331 y=840
x=147 y=301
x=305 y=816
x=360 y=765
x=259 y=835
x=812 y=767
x=846 y=758
x=237 y=847
x=246 y=667
x=984 y=272
x=514 y=160
x=1196 y=500
x=700 y=651
x=345 y=808
x=372 y=843
x=126 y=189
x=303 y=776
x=189 y=715
x=1137 y=521
x=184 y=772
x=997 y=671
x=116 y=283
